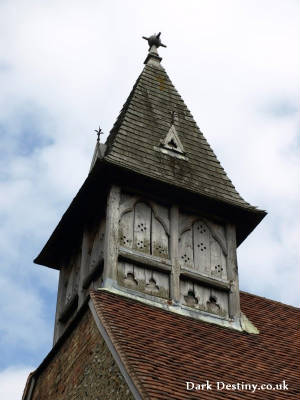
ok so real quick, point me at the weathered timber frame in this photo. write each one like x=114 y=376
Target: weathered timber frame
x=95 y=202
x=114 y=251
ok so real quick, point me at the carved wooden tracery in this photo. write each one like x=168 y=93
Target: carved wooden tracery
x=143 y=279
x=144 y=227
x=195 y=295
x=202 y=248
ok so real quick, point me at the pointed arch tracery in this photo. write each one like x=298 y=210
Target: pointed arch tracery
x=201 y=250
x=144 y=227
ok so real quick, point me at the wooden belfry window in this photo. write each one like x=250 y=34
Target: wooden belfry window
x=141 y=230
x=200 y=251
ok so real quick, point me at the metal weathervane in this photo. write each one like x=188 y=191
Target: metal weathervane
x=99 y=132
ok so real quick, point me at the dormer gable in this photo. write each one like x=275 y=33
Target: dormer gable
x=172 y=145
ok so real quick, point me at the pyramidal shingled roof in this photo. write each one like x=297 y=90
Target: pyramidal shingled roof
x=156 y=137
x=142 y=125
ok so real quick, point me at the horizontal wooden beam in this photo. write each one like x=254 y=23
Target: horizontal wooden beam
x=145 y=260
x=207 y=281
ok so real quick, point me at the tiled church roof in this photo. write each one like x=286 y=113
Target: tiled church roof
x=162 y=350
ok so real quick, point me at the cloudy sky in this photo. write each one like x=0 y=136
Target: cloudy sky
x=66 y=67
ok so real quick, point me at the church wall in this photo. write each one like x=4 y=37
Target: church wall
x=82 y=368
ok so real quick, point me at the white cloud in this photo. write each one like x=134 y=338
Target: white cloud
x=68 y=69
x=12 y=382
x=23 y=322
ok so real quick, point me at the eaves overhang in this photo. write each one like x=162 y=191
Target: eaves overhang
x=92 y=195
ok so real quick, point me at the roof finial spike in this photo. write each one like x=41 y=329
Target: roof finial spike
x=154 y=43
x=154 y=40
x=99 y=132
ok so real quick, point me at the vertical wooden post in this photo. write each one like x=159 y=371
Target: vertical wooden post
x=232 y=272
x=84 y=267
x=175 y=284
x=111 y=243
x=60 y=302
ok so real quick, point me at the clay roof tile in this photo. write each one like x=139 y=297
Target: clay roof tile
x=163 y=350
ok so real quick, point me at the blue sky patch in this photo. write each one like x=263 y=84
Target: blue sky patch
x=281 y=108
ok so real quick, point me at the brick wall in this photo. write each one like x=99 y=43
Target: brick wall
x=83 y=368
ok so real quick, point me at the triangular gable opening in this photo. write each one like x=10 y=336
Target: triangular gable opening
x=172 y=143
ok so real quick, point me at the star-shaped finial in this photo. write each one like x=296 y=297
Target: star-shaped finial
x=154 y=40
x=99 y=132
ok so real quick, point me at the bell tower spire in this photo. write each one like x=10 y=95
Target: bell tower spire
x=157 y=219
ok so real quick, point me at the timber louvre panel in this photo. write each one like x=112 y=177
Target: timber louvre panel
x=144 y=121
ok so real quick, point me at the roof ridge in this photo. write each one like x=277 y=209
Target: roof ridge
x=101 y=316
x=119 y=120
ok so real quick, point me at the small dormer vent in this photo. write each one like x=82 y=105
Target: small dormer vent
x=172 y=141
x=172 y=145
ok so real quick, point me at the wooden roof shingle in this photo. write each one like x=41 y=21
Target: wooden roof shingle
x=133 y=158
x=144 y=122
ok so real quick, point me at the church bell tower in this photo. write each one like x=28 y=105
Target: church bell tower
x=157 y=218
